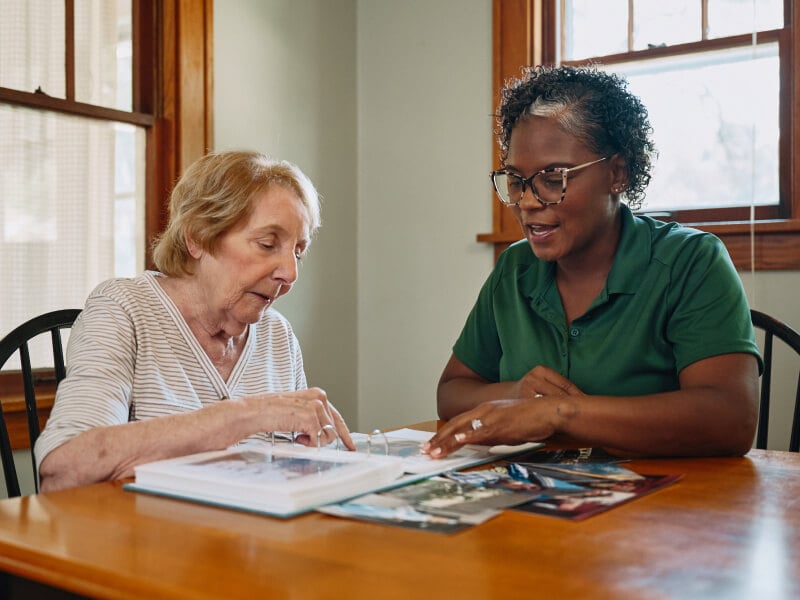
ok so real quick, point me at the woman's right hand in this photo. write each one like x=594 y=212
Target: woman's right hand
x=112 y=452
x=306 y=412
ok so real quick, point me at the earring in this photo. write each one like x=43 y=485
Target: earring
x=618 y=188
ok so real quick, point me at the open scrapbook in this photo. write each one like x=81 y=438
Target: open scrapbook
x=285 y=479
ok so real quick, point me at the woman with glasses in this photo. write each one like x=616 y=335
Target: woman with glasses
x=610 y=328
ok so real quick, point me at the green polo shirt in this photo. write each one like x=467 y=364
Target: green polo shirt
x=672 y=297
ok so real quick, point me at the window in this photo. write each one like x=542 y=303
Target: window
x=718 y=79
x=709 y=73
x=72 y=186
x=102 y=105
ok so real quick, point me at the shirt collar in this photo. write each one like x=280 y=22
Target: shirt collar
x=631 y=258
x=633 y=254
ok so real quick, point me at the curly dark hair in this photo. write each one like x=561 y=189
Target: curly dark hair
x=593 y=105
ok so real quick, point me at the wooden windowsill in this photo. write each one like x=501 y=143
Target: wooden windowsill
x=12 y=398
x=776 y=245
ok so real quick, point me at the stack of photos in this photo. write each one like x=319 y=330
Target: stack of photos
x=570 y=484
x=441 y=504
x=577 y=491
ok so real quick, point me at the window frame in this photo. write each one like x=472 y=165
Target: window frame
x=525 y=33
x=172 y=100
x=172 y=93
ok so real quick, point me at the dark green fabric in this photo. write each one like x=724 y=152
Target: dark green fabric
x=672 y=298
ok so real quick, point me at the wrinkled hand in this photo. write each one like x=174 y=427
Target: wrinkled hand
x=306 y=412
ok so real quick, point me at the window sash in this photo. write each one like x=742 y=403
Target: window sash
x=524 y=34
x=782 y=206
x=172 y=99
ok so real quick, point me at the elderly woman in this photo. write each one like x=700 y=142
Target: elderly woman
x=194 y=357
x=612 y=329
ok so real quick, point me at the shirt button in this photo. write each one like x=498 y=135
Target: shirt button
x=574 y=332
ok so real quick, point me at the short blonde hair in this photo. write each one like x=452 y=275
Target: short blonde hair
x=215 y=194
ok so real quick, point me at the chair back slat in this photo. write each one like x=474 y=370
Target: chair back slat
x=766 y=380
x=31 y=411
x=58 y=355
x=773 y=328
x=7 y=456
x=794 y=442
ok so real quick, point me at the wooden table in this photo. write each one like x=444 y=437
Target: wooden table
x=729 y=529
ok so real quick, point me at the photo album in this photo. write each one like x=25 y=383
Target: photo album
x=281 y=480
x=286 y=479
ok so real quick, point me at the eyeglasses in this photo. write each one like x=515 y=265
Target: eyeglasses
x=549 y=186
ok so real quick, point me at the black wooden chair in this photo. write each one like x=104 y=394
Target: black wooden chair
x=772 y=329
x=17 y=341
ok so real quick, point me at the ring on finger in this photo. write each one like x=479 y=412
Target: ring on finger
x=476 y=424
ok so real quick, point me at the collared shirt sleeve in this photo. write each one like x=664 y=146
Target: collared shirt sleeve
x=478 y=346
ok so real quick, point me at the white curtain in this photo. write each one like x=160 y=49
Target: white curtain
x=71 y=188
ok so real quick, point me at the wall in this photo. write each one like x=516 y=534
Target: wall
x=285 y=84
x=386 y=105
x=22 y=460
x=424 y=154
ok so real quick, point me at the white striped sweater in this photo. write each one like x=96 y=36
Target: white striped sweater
x=131 y=356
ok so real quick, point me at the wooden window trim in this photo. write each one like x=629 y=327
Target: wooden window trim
x=523 y=34
x=13 y=401
x=180 y=85
x=173 y=100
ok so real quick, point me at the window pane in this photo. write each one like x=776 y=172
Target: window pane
x=734 y=17
x=129 y=172
x=71 y=209
x=585 y=18
x=32 y=46
x=103 y=53
x=657 y=23
x=717 y=138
